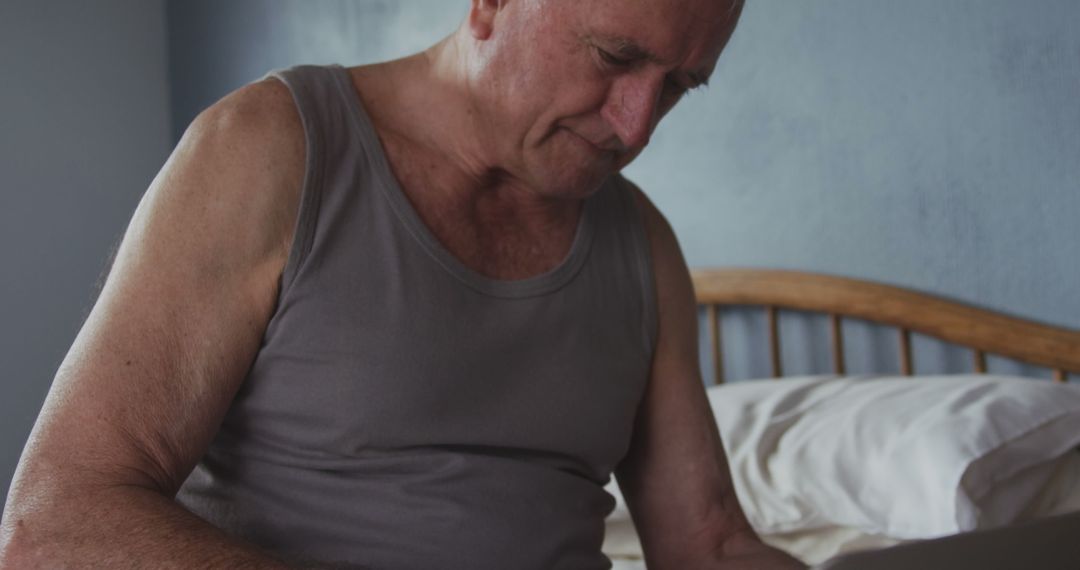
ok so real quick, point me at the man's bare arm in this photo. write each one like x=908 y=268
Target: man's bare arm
x=675 y=478
x=152 y=372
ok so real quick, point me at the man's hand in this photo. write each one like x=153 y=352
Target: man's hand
x=765 y=560
x=746 y=552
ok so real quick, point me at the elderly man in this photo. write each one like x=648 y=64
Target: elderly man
x=402 y=316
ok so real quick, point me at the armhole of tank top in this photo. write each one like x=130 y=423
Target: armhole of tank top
x=646 y=279
x=311 y=192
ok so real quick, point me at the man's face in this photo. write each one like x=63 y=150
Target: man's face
x=577 y=86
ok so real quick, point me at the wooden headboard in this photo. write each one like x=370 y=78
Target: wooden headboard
x=983 y=331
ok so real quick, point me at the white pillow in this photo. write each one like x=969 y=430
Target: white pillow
x=896 y=456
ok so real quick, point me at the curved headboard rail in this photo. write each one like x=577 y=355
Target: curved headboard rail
x=982 y=330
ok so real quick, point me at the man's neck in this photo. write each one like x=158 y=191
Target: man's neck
x=443 y=149
x=440 y=141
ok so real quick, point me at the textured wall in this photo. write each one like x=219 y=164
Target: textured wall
x=923 y=143
x=83 y=129
x=216 y=46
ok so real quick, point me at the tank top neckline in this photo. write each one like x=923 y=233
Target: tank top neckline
x=544 y=283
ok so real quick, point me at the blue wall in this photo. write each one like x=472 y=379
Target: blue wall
x=84 y=125
x=923 y=143
x=215 y=47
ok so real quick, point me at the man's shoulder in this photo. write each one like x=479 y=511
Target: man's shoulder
x=654 y=220
x=239 y=165
x=252 y=137
x=669 y=267
x=260 y=114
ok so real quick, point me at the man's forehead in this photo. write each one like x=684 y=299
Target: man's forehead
x=664 y=32
x=678 y=15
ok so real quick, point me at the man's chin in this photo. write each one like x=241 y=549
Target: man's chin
x=576 y=181
x=575 y=187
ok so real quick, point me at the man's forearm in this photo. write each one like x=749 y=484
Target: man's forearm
x=117 y=527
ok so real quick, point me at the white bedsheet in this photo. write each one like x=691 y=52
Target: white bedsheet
x=895 y=456
x=1061 y=495
x=1044 y=488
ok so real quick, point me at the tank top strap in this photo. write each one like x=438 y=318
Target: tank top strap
x=315 y=97
x=631 y=224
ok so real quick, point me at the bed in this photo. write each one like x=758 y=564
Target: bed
x=831 y=463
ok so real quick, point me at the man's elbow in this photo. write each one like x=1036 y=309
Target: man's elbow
x=18 y=547
x=40 y=523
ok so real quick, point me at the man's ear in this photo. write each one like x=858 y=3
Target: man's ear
x=482 y=17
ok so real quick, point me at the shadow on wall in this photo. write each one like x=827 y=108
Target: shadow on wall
x=216 y=47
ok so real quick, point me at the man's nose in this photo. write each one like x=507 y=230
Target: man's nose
x=631 y=109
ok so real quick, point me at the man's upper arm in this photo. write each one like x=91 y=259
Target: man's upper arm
x=675 y=477
x=180 y=318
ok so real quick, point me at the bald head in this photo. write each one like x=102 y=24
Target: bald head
x=570 y=91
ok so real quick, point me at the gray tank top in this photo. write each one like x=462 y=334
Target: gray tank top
x=406 y=412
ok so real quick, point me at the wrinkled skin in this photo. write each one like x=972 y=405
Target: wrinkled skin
x=572 y=90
